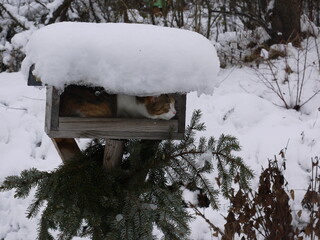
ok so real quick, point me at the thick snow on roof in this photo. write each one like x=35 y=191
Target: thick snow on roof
x=132 y=59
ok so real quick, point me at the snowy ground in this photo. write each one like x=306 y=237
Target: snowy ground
x=241 y=106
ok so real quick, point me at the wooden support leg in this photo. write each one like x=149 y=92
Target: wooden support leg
x=112 y=154
x=66 y=147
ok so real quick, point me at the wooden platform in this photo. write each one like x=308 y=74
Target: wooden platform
x=112 y=128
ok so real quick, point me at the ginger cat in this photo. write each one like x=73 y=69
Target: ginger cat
x=79 y=101
x=95 y=102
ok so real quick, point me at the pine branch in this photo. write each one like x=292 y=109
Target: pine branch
x=205 y=185
x=199 y=213
x=23 y=183
x=81 y=199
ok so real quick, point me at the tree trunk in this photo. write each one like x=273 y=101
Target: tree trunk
x=318 y=13
x=285 y=21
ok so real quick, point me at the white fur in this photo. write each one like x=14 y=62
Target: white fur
x=128 y=107
x=168 y=115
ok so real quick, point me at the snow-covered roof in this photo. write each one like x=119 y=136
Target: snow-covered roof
x=133 y=59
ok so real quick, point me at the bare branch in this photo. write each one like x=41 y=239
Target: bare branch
x=13 y=17
x=60 y=11
x=260 y=22
x=200 y=214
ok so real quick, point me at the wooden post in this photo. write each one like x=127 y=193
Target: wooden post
x=112 y=154
x=66 y=147
x=182 y=114
x=52 y=110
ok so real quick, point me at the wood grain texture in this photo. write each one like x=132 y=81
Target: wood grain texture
x=66 y=147
x=52 y=110
x=47 y=123
x=115 y=135
x=182 y=113
x=113 y=153
x=117 y=124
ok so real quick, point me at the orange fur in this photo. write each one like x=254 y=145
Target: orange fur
x=157 y=105
x=77 y=101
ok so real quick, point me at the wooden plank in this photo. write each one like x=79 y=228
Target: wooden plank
x=113 y=153
x=66 y=147
x=52 y=110
x=114 y=135
x=117 y=124
x=47 y=123
x=116 y=128
x=182 y=113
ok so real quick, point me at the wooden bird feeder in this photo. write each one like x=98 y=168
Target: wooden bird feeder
x=115 y=128
x=123 y=59
x=63 y=130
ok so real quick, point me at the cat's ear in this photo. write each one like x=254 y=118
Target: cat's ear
x=152 y=99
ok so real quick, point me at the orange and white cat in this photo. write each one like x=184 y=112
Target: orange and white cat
x=78 y=101
x=160 y=107
x=95 y=102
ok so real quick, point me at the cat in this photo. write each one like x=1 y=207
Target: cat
x=80 y=101
x=160 y=107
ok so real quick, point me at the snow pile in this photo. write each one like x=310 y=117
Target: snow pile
x=240 y=107
x=132 y=59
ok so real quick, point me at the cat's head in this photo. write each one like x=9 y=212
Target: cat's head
x=160 y=107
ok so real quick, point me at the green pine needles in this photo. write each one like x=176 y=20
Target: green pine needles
x=81 y=199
